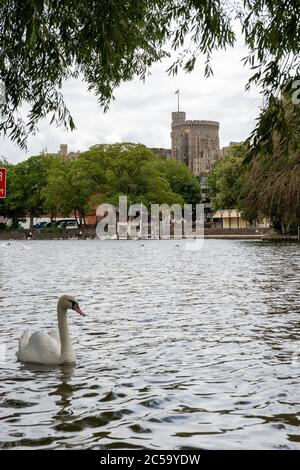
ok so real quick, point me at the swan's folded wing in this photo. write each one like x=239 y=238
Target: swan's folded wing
x=54 y=334
x=23 y=342
x=41 y=348
x=24 y=339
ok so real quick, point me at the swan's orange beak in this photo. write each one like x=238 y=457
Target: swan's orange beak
x=77 y=309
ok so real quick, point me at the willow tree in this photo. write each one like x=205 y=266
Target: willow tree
x=272 y=182
x=45 y=42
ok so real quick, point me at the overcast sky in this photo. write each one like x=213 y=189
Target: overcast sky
x=141 y=112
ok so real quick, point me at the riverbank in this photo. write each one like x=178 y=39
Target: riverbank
x=90 y=233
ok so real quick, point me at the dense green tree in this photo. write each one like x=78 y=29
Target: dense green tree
x=181 y=179
x=25 y=182
x=13 y=206
x=28 y=180
x=66 y=189
x=55 y=185
x=50 y=192
x=226 y=179
x=32 y=177
x=127 y=169
x=44 y=42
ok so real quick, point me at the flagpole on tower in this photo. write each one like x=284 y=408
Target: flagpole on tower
x=177 y=93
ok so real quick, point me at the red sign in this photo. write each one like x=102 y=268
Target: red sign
x=2 y=183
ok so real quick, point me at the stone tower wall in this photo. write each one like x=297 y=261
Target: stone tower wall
x=195 y=143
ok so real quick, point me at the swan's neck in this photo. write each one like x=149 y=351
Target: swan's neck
x=67 y=354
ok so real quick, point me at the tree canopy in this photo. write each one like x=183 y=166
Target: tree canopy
x=66 y=191
x=44 y=42
x=25 y=182
x=133 y=170
x=58 y=186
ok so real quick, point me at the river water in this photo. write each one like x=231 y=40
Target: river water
x=179 y=349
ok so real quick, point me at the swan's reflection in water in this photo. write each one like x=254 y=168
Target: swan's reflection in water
x=64 y=388
x=63 y=393
x=63 y=379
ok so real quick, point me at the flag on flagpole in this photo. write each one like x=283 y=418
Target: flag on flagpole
x=177 y=93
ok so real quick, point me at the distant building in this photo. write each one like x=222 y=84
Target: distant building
x=231 y=144
x=161 y=152
x=233 y=219
x=195 y=143
x=63 y=151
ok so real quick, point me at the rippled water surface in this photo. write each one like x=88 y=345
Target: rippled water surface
x=178 y=350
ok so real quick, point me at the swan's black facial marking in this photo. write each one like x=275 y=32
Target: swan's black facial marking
x=76 y=308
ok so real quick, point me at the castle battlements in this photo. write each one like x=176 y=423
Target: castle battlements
x=196 y=123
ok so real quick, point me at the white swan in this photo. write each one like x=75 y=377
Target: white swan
x=54 y=347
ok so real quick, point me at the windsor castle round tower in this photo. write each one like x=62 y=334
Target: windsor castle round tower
x=195 y=143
